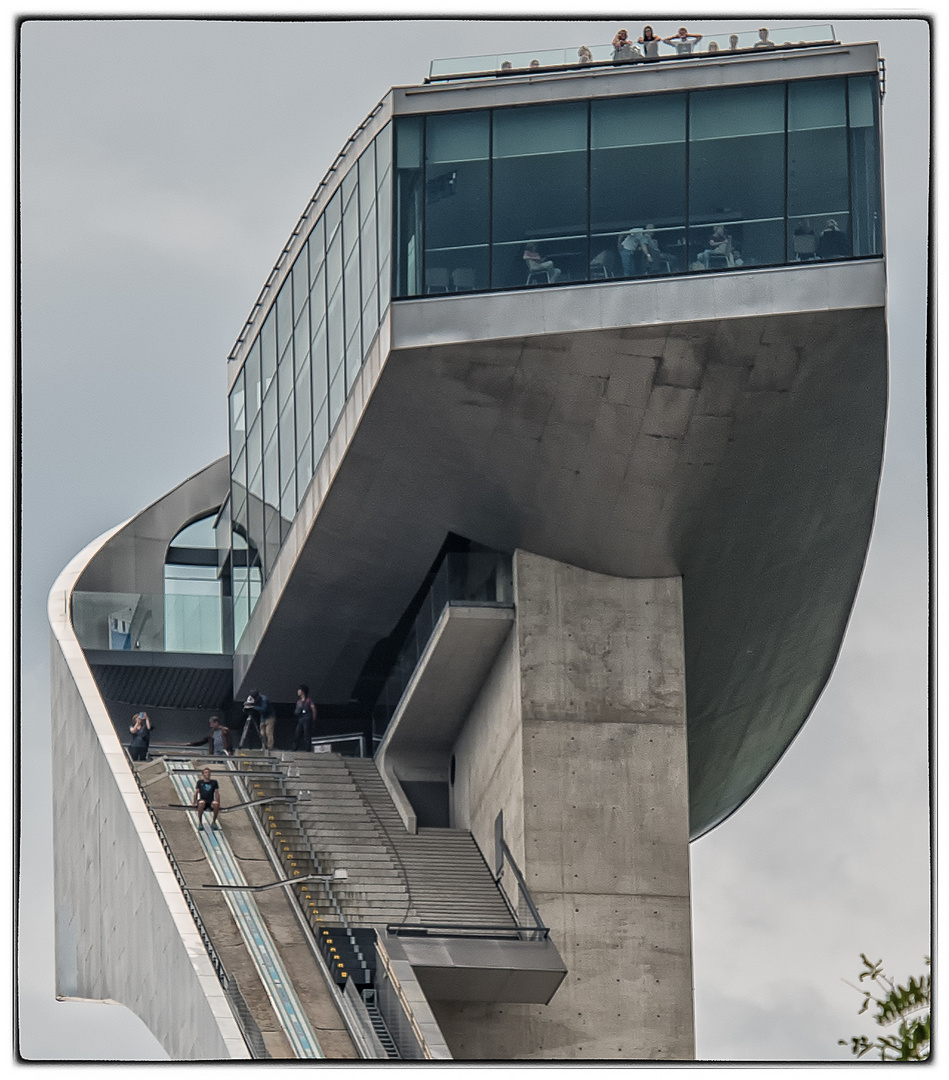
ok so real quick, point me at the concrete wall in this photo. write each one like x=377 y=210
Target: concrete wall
x=489 y=767
x=133 y=558
x=604 y=775
x=123 y=930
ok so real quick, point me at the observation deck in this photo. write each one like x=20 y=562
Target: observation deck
x=505 y=315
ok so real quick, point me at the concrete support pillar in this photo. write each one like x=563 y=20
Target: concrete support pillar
x=602 y=826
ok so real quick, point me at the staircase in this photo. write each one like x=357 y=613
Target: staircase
x=436 y=876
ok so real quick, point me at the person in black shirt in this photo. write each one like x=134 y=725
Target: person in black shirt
x=205 y=795
x=832 y=243
x=305 y=713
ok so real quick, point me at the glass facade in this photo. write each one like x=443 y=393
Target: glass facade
x=525 y=196
x=679 y=182
x=303 y=363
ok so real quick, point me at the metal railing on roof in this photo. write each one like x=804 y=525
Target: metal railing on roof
x=526 y=63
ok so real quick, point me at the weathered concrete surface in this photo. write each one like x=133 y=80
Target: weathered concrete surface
x=727 y=432
x=274 y=906
x=123 y=931
x=604 y=789
x=489 y=764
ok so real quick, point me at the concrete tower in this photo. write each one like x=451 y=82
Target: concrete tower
x=555 y=437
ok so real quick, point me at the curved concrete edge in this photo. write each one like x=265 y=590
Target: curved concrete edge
x=123 y=929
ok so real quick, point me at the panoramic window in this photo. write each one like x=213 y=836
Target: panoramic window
x=539 y=195
x=457 y=159
x=736 y=177
x=667 y=183
x=818 y=184
x=637 y=186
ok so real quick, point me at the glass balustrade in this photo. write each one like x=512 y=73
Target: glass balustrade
x=464 y=578
x=521 y=63
x=181 y=622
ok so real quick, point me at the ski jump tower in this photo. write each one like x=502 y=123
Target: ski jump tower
x=561 y=495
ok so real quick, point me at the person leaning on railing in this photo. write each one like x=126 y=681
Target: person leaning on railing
x=623 y=48
x=683 y=41
x=650 y=43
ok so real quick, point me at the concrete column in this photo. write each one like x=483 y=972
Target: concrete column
x=604 y=806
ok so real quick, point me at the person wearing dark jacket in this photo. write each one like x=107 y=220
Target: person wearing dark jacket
x=305 y=713
x=832 y=243
x=218 y=739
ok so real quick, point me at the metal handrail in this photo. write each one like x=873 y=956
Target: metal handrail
x=522 y=884
x=326 y=879
x=249 y=1029
x=468 y=930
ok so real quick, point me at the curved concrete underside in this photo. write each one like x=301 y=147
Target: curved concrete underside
x=741 y=452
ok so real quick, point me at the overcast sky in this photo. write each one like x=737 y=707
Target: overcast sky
x=162 y=167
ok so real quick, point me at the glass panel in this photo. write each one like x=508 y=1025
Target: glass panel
x=351 y=224
x=818 y=186
x=337 y=396
x=288 y=452
x=384 y=236
x=367 y=183
x=271 y=473
x=241 y=611
x=284 y=315
x=237 y=415
x=239 y=479
x=332 y=215
x=253 y=395
x=866 y=226
x=285 y=377
x=318 y=299
x=353 y=301
x=301 y=283
x=349 y=184
x=193 y=620
x=269 y=414
x=288 y=506
x=456 y=202
x=268 y=350
x=318 y=371
x=637 y=186
x=255 y=523
x=320 y=431
x=367 y=250
x=353 y=360
x=383 y=143
x=408 y=196
x=301 y=405
x=271 y=537
x=317 y=250
x=334 y=264
x=199 y=534
x=336 y=343
x=239 y=510
x=539 y=195
x=736 y=177
x=370 y=319
x=304 y=468
x=254 y=449
x=301 y=341
x=255 y=485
